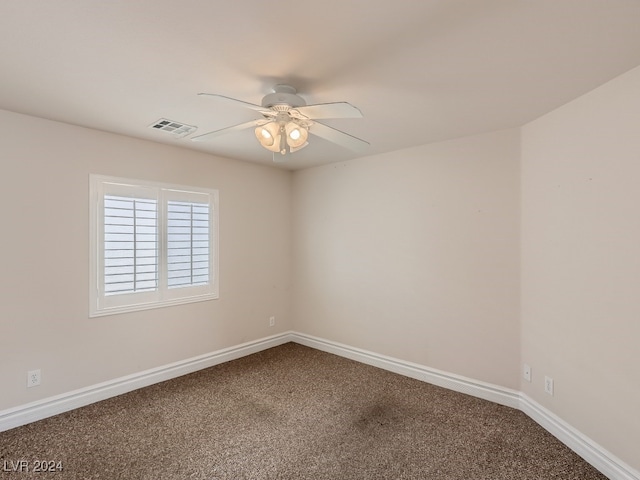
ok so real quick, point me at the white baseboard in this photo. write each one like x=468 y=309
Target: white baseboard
x=607 y=463
x=604 y=461
x=31 y=412
x=487 y=391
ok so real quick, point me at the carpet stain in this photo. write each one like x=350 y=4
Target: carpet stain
x=377 y=416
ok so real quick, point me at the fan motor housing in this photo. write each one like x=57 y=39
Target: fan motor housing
x=283 y=95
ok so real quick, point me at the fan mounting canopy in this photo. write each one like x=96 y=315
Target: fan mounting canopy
x=283 y=95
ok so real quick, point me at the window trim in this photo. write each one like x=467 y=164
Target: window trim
x=100 y=304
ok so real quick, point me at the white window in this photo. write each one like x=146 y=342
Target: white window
x=152 y=245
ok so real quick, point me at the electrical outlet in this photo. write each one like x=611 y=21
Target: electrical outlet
x=272 y=321
x=526 y=372
x=33 y=378
x=548 y=385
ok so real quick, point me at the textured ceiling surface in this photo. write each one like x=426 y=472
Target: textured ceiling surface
x=420 y=71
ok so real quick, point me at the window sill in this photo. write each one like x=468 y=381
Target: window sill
x=149 y=306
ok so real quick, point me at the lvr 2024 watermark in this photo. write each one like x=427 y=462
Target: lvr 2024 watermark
x=35 y=466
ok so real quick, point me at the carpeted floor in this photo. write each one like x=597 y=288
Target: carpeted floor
x=291 y=412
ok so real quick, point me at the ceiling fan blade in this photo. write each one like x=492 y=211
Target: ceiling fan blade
x=215 y=133
x=252 y=106
x=328 y=110
x=336 y=136
x=295 y=149
x=281 y=158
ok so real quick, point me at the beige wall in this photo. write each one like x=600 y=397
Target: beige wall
x=471 y=256
x=581 y=263
x=44 y=259
x=414 y=254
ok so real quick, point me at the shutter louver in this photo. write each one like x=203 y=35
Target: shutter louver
x=130 y=245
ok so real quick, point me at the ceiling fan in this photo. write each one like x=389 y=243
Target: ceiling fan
x=287 y=121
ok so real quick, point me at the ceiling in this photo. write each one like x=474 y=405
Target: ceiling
x=420 y=71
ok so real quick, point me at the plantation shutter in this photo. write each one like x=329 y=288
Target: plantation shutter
x=130 y=245
x=152 y=245
x=188 y=255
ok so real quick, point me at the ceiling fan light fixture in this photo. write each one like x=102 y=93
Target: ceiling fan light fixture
x=268 y=136
x=287 y=120
x=296 y=135
x=265 y=135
